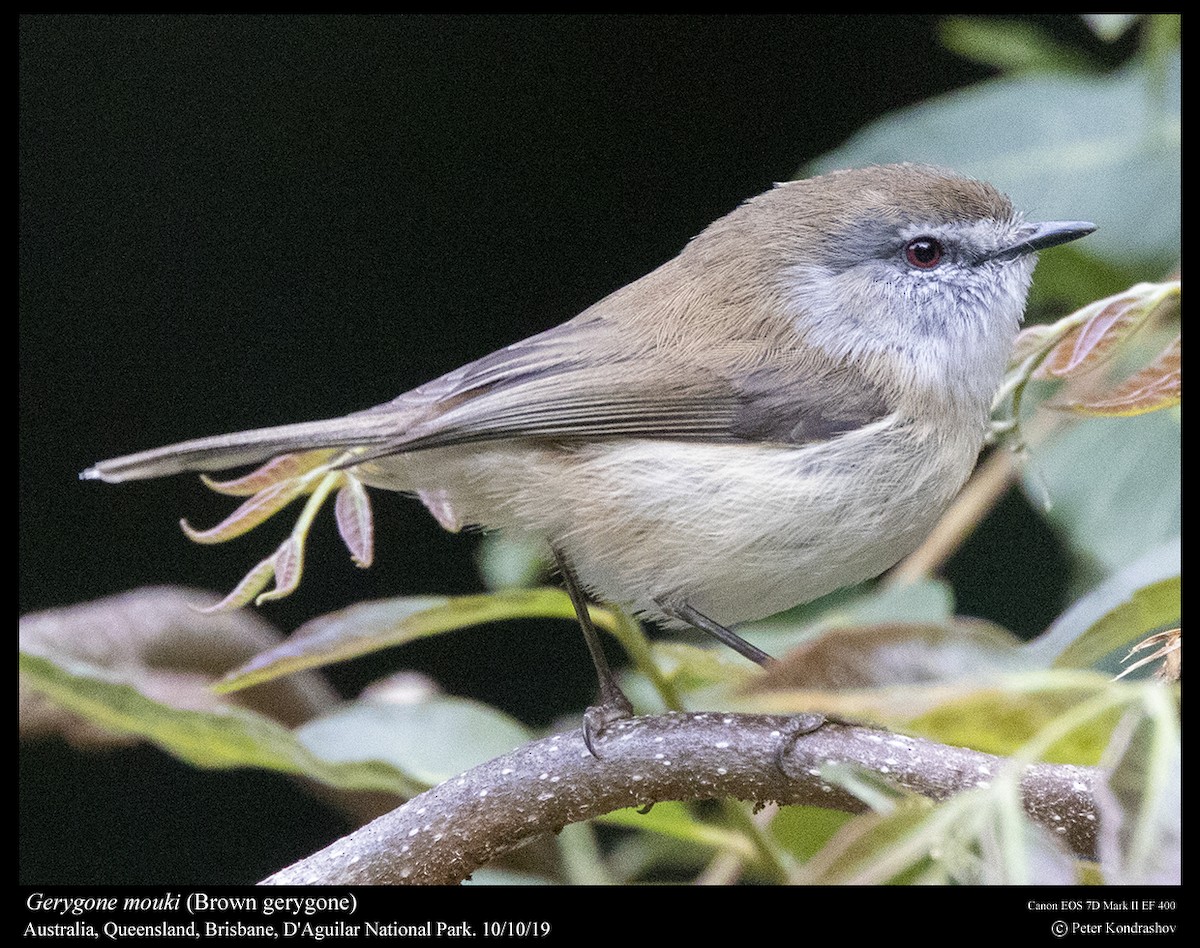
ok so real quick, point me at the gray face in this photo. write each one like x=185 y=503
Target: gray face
x=939 y=300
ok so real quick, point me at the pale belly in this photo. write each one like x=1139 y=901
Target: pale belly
x=738 y=531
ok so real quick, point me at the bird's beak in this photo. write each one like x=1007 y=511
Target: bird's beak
x=1034 y=237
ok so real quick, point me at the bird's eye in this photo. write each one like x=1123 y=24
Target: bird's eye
x=924 y=253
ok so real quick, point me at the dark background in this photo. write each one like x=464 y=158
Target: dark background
x=230 y=222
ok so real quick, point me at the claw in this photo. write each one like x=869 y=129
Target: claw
x=614 y=707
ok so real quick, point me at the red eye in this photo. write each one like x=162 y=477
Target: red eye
x=924 y=253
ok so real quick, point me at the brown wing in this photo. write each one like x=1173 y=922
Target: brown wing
x=648 y=373
x=541 y=388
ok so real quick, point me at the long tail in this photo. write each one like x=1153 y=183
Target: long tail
x=250 y=447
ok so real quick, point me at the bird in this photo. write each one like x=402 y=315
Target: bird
x=785 y=408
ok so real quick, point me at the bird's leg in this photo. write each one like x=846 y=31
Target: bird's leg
x=613 y=705
x=698 y=620
x=802 y=723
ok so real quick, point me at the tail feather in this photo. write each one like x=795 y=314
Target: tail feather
x=249 y=447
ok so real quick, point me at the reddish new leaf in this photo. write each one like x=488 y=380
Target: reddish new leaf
x=1154 y=387
x=1107 y=324
x=1030 y=340
x=252 y=583
x=355 y=524
x=249 y=515
x=1096 y=340
x=285 y=467
x=289 y=564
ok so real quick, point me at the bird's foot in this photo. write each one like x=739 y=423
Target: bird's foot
x=613 y=706
x=801 y=724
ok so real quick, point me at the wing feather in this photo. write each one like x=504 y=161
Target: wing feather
x=542 y=389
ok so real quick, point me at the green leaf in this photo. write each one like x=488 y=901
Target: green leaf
x=645 y=857
x=1009 y=45
x=1137 y=600
x=369 y=627
x=804 y=830
x=874 y=848
x=873 y=789
x=1113 y=485
x=581 y=860
x=894 y=653
x=675 y=820
x=1071 y=276
x=928 y=601
x=1062 y=147
x=429 y=740
x=228 y=737
x=1141 y=809
x=1110 y=26
x=1002 y=717
x=699 y=666
x=998 y=713
x=994 y=712
x=1012 y=849
x=978 y=838
x=511 y=561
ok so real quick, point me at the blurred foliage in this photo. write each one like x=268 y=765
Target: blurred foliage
x=1066 y=141
x=1063 y=146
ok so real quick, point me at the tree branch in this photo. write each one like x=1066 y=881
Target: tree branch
x=446 y=833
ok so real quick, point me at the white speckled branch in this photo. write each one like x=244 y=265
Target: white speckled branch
x=446 y=833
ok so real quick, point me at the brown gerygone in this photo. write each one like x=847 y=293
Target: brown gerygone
x=785 y=408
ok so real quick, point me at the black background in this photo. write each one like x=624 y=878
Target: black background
x=234 y=221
